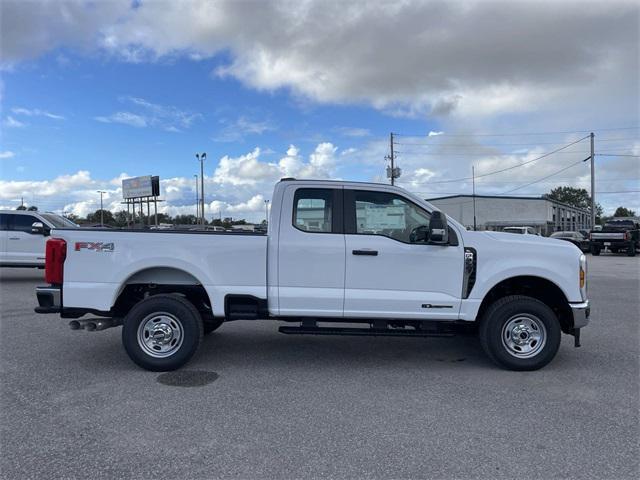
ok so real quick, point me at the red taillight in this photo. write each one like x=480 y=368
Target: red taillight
x=56 y=253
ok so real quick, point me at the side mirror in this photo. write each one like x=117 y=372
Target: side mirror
x=438 y=229
x=38 y=228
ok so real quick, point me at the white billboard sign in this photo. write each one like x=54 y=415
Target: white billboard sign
x=137 y=187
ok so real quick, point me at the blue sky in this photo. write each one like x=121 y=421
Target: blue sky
x=94 y=90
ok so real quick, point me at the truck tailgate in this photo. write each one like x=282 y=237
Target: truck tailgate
x=607 y=236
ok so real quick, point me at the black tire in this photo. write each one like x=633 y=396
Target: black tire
x=179 y=316
x=595 y=251
x=631 y=251
x=507 y=311
x=211 y=324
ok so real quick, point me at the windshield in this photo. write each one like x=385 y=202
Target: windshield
x=57 y=221
x=619 y=224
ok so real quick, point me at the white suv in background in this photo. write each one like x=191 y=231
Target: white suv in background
x=23 y=235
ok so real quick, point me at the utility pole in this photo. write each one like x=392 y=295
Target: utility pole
x=593 y=182
x=201 y=158
x=392 y=159
x=101 y=192
x=197 y=199
x=266 y=209
x=392 y=171
x=473 y=179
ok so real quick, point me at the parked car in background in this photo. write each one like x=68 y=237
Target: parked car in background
x=521 y=230
x=208 y=228
x=619 y=234
x=23 y=234
x=573 y=237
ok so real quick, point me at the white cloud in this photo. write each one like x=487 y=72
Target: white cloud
x=166 y=117
x=36 y=112
x=415 y=58
x=237 y=130
x=125 y=118
x=244 y=170
x=238 y=187
x=11 y=122
x=353 y=131
x=7 y=154
x=249 y=170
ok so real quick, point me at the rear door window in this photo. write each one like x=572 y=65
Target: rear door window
x=313 y=210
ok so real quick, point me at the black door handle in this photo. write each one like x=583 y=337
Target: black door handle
x=372 y=253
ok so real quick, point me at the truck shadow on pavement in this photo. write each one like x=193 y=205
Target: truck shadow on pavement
x=272 y=349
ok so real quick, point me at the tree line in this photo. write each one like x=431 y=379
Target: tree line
x=121 y=219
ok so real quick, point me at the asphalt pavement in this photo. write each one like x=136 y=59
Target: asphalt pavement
x=258 y=404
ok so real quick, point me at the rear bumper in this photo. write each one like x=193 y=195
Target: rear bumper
x=611 y=241
x=581 y=312
x=49 y=299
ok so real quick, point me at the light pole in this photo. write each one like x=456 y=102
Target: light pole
x=197 y=199
x=101 y=192
x=201 y=158
x=593 y=182
x=266 y=209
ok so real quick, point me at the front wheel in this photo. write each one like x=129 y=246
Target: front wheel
x=162 y=332
x=520 y=333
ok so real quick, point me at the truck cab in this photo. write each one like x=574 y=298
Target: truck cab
x=367 y=254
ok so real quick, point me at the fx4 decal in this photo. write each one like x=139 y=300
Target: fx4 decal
x=95 y=246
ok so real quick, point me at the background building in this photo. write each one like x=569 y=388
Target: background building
x=496 y=212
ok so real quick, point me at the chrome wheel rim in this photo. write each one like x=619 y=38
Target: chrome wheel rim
x=160 y=334
x=524 y=335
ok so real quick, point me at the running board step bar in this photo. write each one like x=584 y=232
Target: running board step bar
x=376 y=332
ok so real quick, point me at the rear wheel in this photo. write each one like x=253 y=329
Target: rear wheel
x=162 y=332
x=631 y=251
x=520 y=333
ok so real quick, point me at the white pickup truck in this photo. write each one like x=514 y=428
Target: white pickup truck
x=374 y=256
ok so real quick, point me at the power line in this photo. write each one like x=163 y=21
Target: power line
x=504 y=144
x=545 y=177
x=523 y=134
x=523 y=195
x=617 y=155
x=474 y=154
x=515 y=166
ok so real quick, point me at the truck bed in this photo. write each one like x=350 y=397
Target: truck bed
x=100 y=261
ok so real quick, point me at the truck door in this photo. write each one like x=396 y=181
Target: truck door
x=388 y=273
x=24 y=247
x=311 y=252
